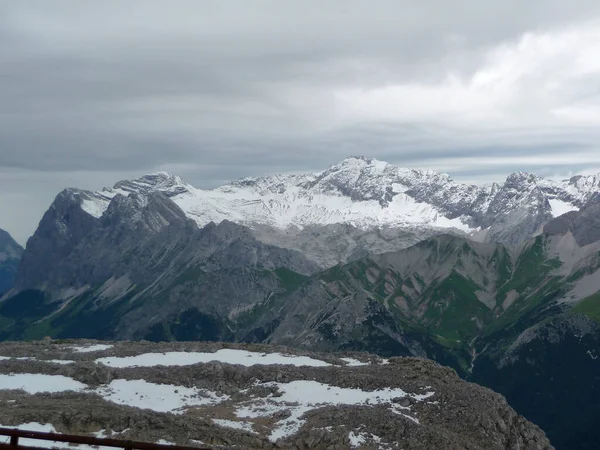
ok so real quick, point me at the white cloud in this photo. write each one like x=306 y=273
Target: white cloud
x=543 y=78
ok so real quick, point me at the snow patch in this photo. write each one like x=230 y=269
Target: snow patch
x=301 y=397
x=227 y=356
x=356 y=440
x=560 y=207
x=90 y=348
x=157 y=397
x=355 y=362
x=27 y=358
x=95 y=206
x=362 y=438
x=33 y=383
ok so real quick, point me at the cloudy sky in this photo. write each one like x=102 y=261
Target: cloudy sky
x=96 y=91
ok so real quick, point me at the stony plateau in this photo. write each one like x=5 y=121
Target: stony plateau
x=252 y=396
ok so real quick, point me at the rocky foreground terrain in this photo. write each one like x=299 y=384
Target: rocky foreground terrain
x=216 y=395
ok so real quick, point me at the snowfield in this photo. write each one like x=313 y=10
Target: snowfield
x=560 y=207
x=228 y=356
x=90 y=348
x=301 y=397
x=157 y=397
x=298 y=397
x=33 y=383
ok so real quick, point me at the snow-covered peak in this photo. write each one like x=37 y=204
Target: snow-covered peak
x=359 y=191
x=522 y=177
x=164 y=182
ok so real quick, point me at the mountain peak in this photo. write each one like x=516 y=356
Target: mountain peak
x=166 y=182
x=522 y=177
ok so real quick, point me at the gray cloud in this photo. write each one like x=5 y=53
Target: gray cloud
x=92 y=92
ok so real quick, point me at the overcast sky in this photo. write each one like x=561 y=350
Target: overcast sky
x=92 y=92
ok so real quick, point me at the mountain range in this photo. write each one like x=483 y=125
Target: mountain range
x=501 y=283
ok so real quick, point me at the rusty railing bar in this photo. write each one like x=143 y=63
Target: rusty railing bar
x=89 y=440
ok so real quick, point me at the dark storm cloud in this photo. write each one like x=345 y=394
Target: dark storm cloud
x=92 y=92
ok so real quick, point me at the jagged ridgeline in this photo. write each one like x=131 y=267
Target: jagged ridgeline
x=492 y=281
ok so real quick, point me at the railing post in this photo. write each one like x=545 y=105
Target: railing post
x=14 y=435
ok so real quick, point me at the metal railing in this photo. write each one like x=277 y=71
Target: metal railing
x=15 y=435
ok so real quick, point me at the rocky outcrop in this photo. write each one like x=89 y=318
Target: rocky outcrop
x=433 y=407
x=583 y=224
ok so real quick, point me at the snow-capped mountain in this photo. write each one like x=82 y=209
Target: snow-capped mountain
x=368 y=193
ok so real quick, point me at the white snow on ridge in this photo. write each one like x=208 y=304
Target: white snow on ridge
x=560 y=207
x=157 y=397
x=294 y=207
x=355 y=362
x=32 y=383
x=303 y=396
x=90 y=348
x=228 y=356
x=27 y=358
x=95 y=206
x=300 y=200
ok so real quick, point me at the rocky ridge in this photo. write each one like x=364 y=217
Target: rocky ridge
x=10 y=255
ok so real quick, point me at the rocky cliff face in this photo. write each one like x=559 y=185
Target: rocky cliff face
x=216 y=396
x=551 y=367
x=141 y=262
x=10 y=255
